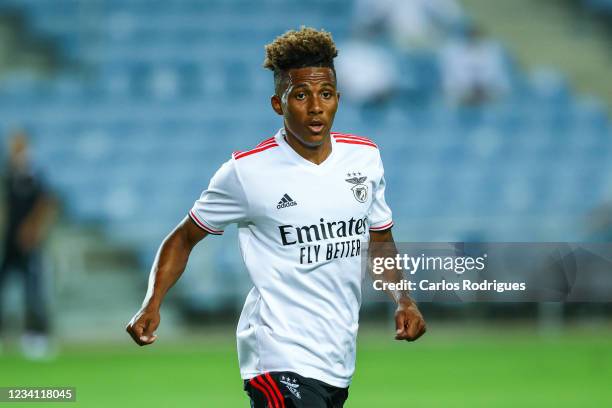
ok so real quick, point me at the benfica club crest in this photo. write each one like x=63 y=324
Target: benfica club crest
x=360 y=190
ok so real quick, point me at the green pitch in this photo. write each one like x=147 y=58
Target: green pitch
x=446 y=368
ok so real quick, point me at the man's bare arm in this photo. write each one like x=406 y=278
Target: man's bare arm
x=168 y=266
x=409 y=322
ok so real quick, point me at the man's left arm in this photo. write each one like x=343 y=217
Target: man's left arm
x=409 y=322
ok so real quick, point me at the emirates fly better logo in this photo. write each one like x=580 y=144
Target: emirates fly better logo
x=360 y=190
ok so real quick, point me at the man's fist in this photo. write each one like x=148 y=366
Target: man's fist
x=143 y=325
x=409 y=322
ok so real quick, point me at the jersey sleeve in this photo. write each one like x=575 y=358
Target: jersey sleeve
x=380 y=214
x=224 y=201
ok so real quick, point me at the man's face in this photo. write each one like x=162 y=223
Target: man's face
x=308 y=100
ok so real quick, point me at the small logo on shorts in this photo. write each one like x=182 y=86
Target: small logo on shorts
x=285 y=202
x=292 y=385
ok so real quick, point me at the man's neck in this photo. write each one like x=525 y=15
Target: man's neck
x=315 y=154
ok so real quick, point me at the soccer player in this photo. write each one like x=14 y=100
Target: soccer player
x=305 y=200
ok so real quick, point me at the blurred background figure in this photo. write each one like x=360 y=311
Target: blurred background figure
x=367 y=73
x=473 y=69
x=29 y=213
x=409 y=23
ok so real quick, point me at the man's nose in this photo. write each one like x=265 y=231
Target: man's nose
x=315 y=106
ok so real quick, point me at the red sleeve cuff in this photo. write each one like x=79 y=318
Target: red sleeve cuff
x=203 y=225
x=382 y=227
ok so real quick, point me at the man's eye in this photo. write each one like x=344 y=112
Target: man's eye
x=326 y=94
x=300 y=96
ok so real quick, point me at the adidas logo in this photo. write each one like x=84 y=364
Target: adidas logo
x=285 y=202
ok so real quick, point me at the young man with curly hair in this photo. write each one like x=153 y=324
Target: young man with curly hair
x=306 y=201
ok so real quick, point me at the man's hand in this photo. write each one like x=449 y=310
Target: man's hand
x=409 y=322
x=167 y=268
x=143 y=325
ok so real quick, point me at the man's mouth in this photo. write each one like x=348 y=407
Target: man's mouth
x=316 y=126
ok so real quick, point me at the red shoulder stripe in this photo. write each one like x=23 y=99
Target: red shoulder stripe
x=350 y=136
x=265 y=141
x=345 y=138
x=240 y=155
x=356 y=142
x=265 y=144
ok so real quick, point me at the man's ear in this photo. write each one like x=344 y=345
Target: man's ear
x=277 y=104
x=338 y=96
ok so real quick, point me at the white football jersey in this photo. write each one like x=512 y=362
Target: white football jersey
x=301 y=228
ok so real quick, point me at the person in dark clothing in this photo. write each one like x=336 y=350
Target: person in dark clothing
x=29 y=211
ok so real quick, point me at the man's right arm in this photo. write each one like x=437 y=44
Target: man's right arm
x=168 y=266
